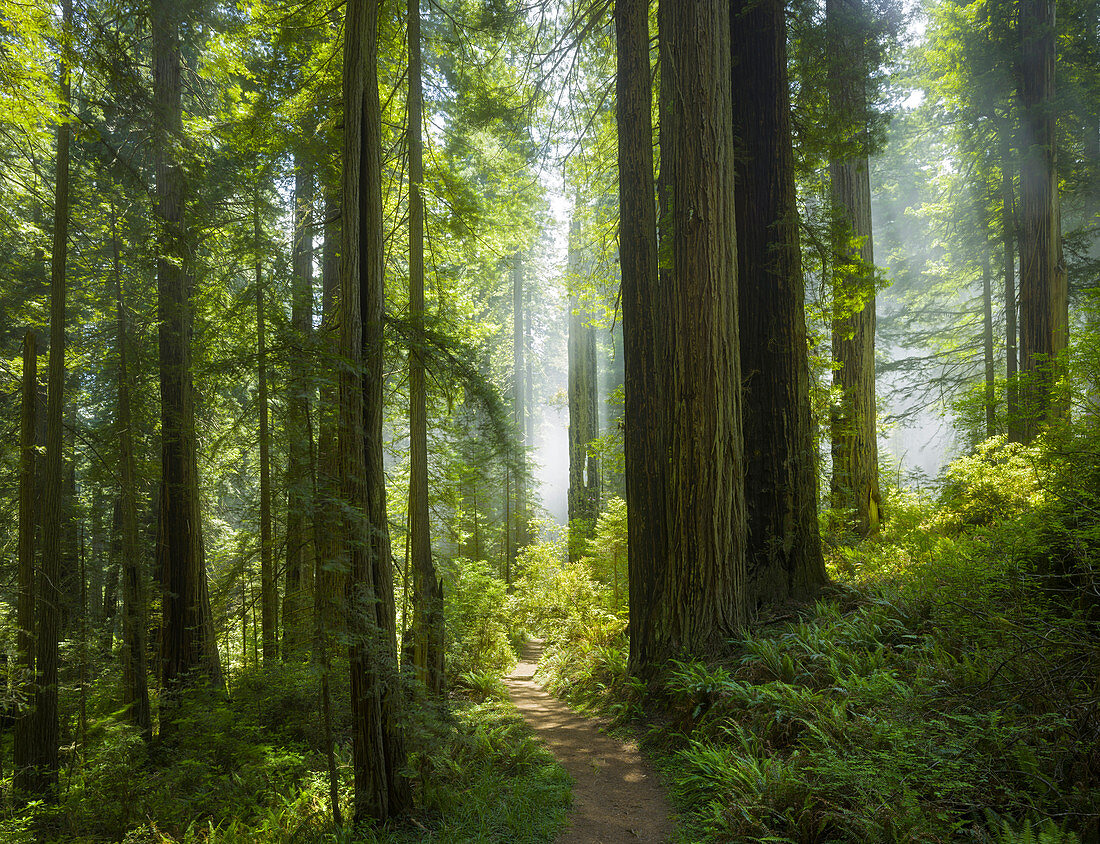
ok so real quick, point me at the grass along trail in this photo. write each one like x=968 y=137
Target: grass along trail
x=616 y=796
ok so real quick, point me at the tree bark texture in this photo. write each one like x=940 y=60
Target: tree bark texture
x=189 y=644
x=48 y=598
x=783 y=557
x=704 y=597
x=268 y=595
x=584 y=471
x=299 y=474
x=427 y=604
x=852 y=423
x=644 y=435
x=378 y=752
x=1039 y=235
x=135 y=685
x=25 y=610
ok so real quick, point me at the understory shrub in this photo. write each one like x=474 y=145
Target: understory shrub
x=237 y=770
x=476 y=618
x=956 y=706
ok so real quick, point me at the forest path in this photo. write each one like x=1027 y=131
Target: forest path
x=616 y=797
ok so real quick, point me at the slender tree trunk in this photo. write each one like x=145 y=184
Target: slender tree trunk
x=189 y=644
x=328 y=578
x=327 y=606
x=25 y=610
x=427 y=606
x=48 y=600
x=529 y=378
x=83 y=651
x=1008 y=237
x=1039 y=235
x=70 y=529
x=855 y=483
x=519 y=391
x=584 y=477
x=378 y=751
x=110 y=590
x=509 y=535
x=135 y=688
x=644 y=434
x=97 y=573
x=299 y=548
x=268 y=594
x=704 y=600
x=987 y=342
x=783 y=557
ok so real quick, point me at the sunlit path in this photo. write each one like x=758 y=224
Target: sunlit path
x=616 y=796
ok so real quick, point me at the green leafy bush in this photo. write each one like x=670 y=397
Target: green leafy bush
x=556 y=599
x=606 y=555
x=999 y=481
x=476 y=618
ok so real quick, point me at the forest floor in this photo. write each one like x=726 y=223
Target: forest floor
x=616 y=795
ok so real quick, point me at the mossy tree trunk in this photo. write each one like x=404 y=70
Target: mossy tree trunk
x=853 y=419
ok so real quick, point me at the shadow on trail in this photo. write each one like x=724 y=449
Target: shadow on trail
x=616 y=796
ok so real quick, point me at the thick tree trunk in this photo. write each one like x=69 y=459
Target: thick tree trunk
x=704 y=601
x=378 y=751
x=48 y=599
x=783 y=557
x=299 y=475
x=25 y=610
x=855 y=483
x=1039 y=235
x=189 y=644
x=644 y=435
x=135 y=687
x=584 y=474
x=427 y=604
x=268 y=595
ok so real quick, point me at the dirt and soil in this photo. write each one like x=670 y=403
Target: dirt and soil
x=616 y=795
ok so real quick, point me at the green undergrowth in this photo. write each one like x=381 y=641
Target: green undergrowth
x=945 y=688
x=252 y=769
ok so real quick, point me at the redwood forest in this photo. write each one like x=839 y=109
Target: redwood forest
x=550 y=420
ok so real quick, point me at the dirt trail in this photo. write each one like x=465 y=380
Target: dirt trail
x=616 y=797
